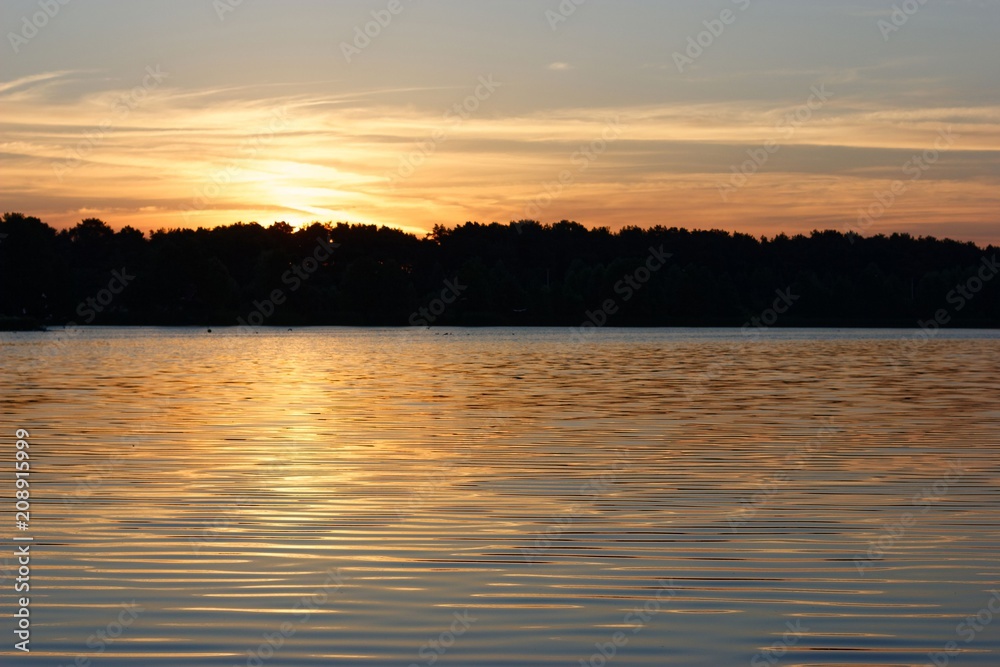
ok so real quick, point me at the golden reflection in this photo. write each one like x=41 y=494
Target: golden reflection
x=240 y=469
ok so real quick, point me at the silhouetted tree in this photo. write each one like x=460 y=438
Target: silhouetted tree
x=523 y=273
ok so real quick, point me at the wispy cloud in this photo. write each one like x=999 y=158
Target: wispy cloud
x=349 y=127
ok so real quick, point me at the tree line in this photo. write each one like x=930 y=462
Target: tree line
x=518 y=274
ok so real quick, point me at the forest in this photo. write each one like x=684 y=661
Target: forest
x=518 y=274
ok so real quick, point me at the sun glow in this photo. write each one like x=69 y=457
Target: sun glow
x=333 y=162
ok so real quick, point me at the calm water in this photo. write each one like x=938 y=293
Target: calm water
x=502 y=497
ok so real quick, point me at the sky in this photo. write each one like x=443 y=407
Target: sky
x=756 y=116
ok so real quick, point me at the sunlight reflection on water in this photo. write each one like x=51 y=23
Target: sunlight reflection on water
x=505 y=496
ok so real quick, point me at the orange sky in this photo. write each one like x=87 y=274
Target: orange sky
x=152 y=135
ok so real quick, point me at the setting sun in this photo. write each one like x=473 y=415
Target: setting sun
x=500 y=333
x=161 y=140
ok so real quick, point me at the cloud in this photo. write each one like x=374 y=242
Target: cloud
x=213 y=155
x=7 y=87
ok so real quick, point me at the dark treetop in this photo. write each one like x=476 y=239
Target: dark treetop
x=516 y=274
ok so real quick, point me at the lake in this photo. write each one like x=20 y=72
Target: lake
x=505 y=497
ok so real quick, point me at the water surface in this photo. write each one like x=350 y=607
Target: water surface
x=505 y=496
